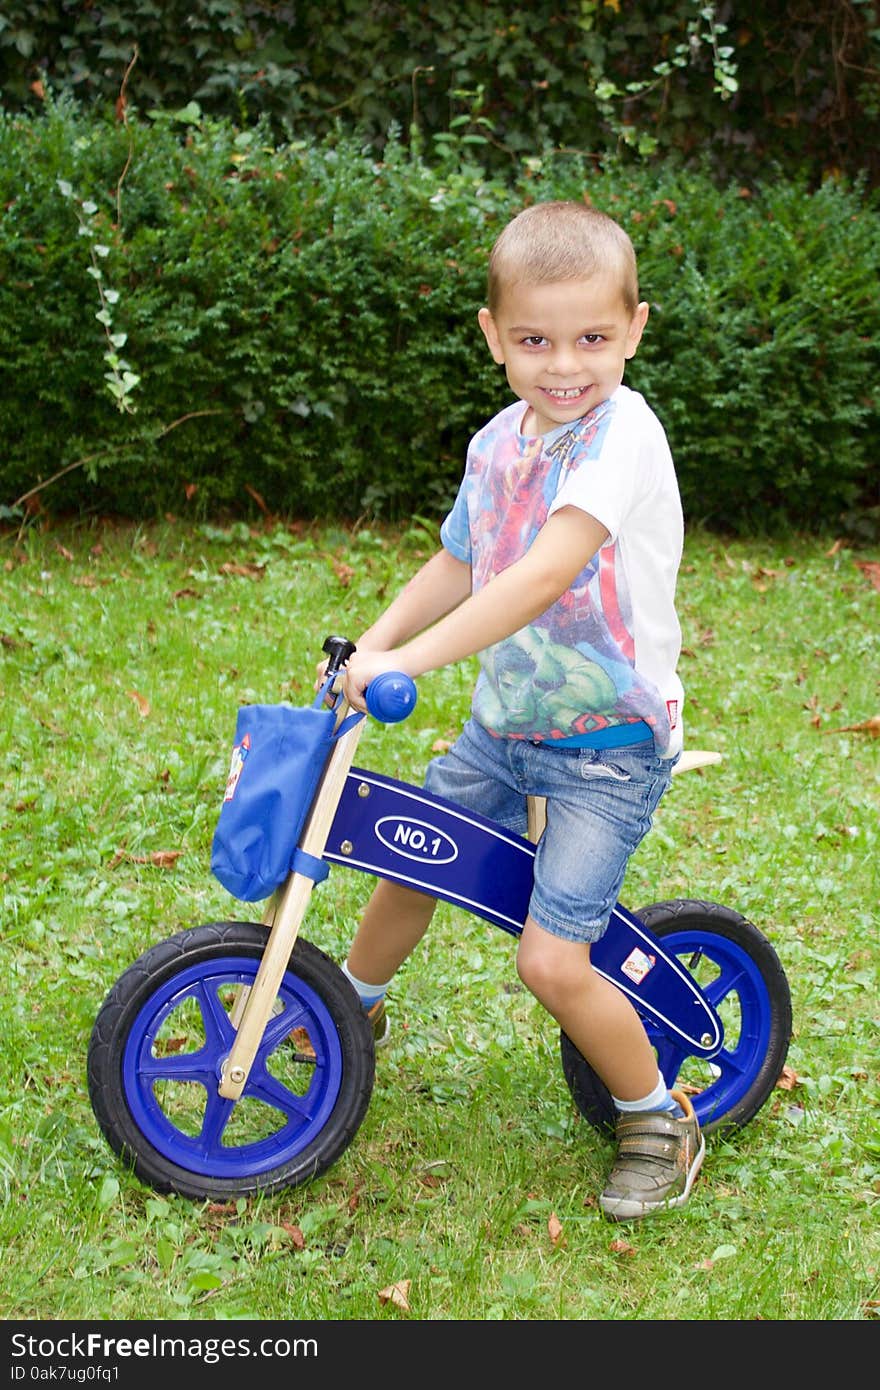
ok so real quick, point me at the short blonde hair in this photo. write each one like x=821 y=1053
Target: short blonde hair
x=554 y=241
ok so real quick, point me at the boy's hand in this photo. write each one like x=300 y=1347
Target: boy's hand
x=362 y=668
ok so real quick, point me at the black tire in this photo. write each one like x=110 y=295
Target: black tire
x=162 y=1034
x=715 y=944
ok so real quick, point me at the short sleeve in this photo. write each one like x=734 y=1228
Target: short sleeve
x=455 y=532
x=624 y=472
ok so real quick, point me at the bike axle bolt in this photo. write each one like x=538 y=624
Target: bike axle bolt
x=236 y=1075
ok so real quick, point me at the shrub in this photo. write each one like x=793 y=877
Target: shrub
x=789 y=81
x=299 y=321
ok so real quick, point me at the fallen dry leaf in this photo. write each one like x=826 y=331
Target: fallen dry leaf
x=162 y=858
x=249 y=570
x=622 y=1247
x=554 y=1230
x=302 y=1042
x=788 y=1079
x=260 y=501
x=868 y=726
x=871 y=570
x=344 y=572
x=143 y=704
x=761 y=575
x=297 y=1239
x=397 y=1294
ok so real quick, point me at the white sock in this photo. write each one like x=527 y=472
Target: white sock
x=368 y=994
x=658 y=1099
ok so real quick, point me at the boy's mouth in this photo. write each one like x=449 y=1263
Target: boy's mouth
x=568 y=393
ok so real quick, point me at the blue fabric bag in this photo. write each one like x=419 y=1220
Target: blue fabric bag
x=278 y=757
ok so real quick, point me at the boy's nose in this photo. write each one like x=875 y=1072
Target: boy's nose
x=565 y=361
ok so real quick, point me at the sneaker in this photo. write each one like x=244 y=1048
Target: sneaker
x=658 y=1158
x=381 y=1023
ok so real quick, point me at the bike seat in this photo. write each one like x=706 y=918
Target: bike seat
x=689 y=760
x=696 y=757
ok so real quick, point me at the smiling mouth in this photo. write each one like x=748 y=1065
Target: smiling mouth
x=571 y=393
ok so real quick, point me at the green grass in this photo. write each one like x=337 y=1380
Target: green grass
x=125 y=653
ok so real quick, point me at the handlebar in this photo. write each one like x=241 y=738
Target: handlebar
x=391 y=696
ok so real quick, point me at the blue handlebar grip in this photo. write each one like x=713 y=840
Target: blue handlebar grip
x=391 y=696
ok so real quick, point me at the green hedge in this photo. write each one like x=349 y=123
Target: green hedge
x=302 y=321
x=791 y=81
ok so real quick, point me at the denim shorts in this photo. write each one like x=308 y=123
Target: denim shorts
x=600 y=803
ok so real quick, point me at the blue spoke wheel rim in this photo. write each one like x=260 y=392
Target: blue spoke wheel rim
x=739 y=986
x=301 y=1117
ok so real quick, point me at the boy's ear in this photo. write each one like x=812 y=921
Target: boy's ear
x=636 y=329
x=490 y=333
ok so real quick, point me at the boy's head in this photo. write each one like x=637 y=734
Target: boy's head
x=564 y=315
x=551 y=242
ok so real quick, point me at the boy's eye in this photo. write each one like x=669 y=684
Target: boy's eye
x=537 y=340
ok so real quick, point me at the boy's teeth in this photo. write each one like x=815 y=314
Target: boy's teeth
x=565 y=395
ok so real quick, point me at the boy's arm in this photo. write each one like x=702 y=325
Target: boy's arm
x=514 y=598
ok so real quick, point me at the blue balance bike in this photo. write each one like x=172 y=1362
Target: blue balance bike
x=235 y=1058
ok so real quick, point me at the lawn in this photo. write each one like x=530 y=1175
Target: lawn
x=471 y=1184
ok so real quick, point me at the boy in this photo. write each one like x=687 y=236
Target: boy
x=558 y=567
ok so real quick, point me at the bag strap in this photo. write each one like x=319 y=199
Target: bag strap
x=349 y=722
x=310 y=866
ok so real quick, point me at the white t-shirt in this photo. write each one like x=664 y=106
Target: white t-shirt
x=605 y=654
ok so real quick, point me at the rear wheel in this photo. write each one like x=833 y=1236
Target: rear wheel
x=739 y=972
x=159 y=1043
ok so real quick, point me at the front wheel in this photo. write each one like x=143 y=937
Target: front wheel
x=158 y=1047
x=739 y=972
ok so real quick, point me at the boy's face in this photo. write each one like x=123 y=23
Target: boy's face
x=563 y=345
